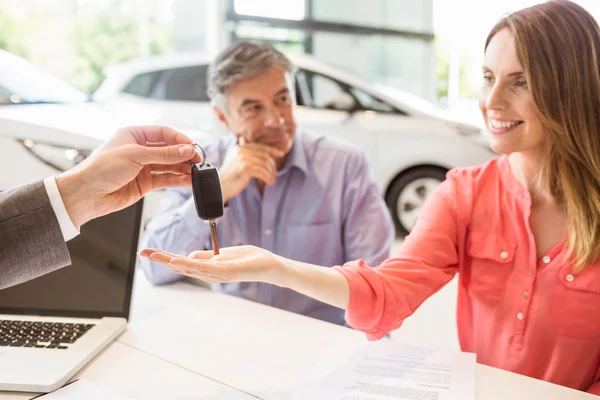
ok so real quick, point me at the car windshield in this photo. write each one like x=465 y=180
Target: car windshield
x=32 y=84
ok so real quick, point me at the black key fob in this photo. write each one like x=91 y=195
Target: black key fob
x=206 y=187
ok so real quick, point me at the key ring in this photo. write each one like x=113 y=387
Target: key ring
x=203 y=155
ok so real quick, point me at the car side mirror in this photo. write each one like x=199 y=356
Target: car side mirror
x=343 y=102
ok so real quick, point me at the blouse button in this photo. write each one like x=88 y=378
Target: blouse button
x=546 y=259
x=570 y=278
x=504 y=255
x=520 y=315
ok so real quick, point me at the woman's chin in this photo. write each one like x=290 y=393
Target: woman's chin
x=502 y=147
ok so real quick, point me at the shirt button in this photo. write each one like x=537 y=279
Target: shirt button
x=546 y=259
x=526 y=295
x=504 y=255
x=570 y=278
x=268 y=232
x=520 y=315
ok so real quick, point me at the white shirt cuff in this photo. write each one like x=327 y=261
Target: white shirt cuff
x=69 y=231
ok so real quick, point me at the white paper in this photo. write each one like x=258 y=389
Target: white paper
x=390 y=370
x=81 y=389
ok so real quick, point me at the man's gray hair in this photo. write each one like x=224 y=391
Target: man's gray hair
x=240 y=61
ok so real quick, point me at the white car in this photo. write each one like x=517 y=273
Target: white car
x=47 y=126
x=407 y=140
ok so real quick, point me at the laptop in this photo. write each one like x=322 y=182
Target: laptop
x=50 y=327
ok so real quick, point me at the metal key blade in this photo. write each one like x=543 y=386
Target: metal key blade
x=213 y=235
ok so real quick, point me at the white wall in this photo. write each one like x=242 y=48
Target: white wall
x=199 y=25
x=416 y=15
x=408 y=64
x=189 y=30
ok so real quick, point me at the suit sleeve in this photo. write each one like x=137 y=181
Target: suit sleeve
x=31 y=241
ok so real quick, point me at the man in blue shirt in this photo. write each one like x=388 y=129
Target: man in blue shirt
x=300 y=196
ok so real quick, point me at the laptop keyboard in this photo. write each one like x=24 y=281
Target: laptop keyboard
x=50 y=335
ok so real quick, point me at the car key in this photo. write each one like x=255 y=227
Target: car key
x=208 y=196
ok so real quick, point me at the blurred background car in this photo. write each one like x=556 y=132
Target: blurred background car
x=48 y=126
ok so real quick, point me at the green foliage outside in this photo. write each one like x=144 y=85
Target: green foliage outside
x=104 y=40
x=442 y=68
x=79 y=49
x=13 y=34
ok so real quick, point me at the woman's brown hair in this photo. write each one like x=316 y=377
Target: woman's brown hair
x=558 y=46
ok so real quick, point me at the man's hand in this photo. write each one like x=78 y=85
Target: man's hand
x=247 y=161
x=123 y=169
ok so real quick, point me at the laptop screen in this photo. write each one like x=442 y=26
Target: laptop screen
x=99 y=280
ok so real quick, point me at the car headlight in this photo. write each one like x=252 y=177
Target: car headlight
x=58 y=157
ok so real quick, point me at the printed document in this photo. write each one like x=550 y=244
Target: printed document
x=390 y=370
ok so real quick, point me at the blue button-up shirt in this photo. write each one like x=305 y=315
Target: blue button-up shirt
x=324 y=208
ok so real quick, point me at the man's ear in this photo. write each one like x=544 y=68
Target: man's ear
x=221 y=115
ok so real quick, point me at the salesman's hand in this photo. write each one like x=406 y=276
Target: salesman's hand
x=123 y=169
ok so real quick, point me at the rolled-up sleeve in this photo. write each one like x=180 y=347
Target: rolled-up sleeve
x=595 y=388
x=382 y=297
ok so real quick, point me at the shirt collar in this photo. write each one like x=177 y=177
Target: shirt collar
x=297 y=157
x=509 y=180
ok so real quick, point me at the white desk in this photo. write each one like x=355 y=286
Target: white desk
x=132 y=373
x=265 y=351
x=185 y=342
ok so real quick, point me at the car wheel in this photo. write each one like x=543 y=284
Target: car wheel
x=408 y=193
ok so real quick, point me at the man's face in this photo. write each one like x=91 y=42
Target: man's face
x=260 y=109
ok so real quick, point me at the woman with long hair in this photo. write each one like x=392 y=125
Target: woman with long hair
x=522 y=231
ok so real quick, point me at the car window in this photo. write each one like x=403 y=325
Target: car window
x=5 y=96
x=142 y=84
x=325 y=92
x=299 y=100
x=302 y=90
x=321 y=91
x=187 y=84
x=368 y=102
